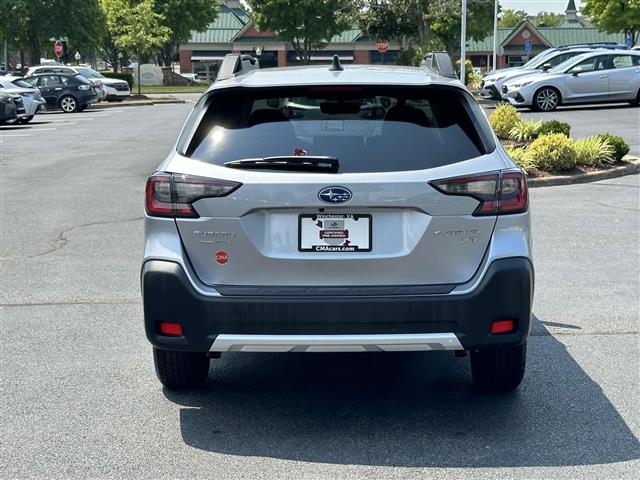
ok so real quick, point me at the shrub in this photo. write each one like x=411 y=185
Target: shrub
x=554 y=126
x=127 y=77
x=553 y=152
x=592 y=151
x=468 y=69
x=521 y=158
x=620 y=147
x=503 y=118
x=525 y=130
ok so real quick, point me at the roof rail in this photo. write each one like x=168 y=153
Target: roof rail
x=586 y=44
x=236 y=64
x=440 y=63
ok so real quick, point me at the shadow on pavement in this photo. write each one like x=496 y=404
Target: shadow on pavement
x=404 y=409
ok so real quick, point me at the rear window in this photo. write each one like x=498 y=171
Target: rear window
x=368 y=129
x=79 y=79
x=22 y=83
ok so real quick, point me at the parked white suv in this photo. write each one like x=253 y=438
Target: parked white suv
x=113 y=88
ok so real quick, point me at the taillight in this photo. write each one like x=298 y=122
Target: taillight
x=172 y=194
x=499 y=193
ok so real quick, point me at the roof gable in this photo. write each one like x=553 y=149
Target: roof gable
x=523 y=31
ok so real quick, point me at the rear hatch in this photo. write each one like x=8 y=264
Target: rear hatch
x=334 y=187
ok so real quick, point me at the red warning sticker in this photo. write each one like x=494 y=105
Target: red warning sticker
x=222 y=257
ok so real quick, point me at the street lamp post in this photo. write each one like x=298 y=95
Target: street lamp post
x=463 y=41
x=77 y=57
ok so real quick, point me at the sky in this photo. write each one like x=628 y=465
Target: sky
x=534 y=6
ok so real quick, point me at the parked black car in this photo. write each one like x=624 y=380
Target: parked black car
x=8 y=110
x=11 y=107
x=70 y=93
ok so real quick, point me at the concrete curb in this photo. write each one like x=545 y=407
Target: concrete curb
x=135 y=103
x=632 y=168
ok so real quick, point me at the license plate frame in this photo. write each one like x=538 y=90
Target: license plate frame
x=331 y=241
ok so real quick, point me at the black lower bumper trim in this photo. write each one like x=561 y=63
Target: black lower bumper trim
x=505 y=292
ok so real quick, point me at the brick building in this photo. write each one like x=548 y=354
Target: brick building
x=233 y=31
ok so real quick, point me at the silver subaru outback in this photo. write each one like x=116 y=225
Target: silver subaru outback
x=337 y=209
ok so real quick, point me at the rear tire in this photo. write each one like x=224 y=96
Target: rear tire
x=499 y=369
x=181 y=370
x=68 y=104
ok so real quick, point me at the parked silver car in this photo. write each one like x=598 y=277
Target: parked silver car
x=491 y=85
x=31 y=97
x=596 y=77
x=341 y=230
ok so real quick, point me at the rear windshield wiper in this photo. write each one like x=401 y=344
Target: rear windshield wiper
x=290 y=163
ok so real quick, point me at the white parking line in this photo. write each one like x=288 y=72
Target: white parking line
x=2 y=135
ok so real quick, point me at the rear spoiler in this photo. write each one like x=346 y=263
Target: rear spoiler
x=236 y=64
x=440 y=63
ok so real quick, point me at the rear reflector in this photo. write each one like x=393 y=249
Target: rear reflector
x=502 y=326
x=171 y=329
x=499 y=193
x=172 y=194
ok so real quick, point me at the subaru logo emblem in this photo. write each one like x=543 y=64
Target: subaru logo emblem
x=335 y=195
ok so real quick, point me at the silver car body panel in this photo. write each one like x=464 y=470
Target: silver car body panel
x=32 y=102
x=336 y=343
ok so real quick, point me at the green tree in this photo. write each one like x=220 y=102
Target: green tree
x=548 y=19
x=136 y=27
x=106 y=43
x=446 y=24
x=434 y=24
x=182 y=17
x=387 y=19
x=509 y=18
x=305 y=24
x=615 y=16
x=30 y=24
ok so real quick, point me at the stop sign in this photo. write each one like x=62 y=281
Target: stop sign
x=382 y=46
x=58 y=49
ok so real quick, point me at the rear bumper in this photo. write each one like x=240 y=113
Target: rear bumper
x=505 y=292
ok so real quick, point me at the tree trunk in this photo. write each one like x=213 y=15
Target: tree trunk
x=35 y=52
x=167 y=53
x=424 y=31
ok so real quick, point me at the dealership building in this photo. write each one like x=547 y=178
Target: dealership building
x=234 y=31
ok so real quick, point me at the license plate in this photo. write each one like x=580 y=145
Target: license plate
x=344 y=232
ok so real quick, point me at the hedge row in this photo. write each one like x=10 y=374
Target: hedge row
x=547 y=146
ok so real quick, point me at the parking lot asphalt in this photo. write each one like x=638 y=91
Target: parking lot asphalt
x=79 y=398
